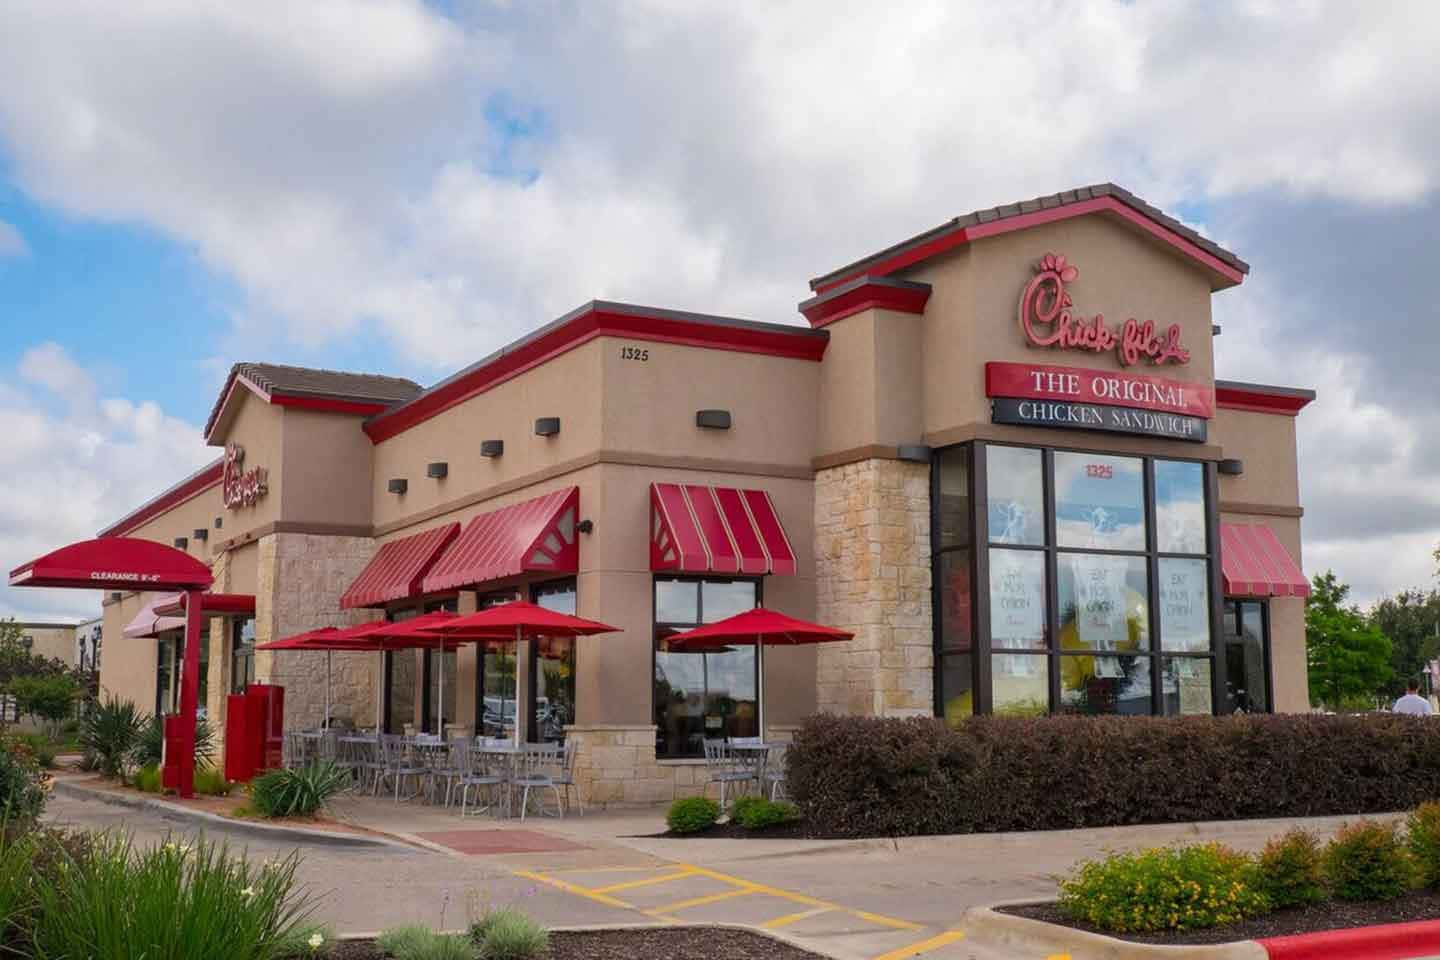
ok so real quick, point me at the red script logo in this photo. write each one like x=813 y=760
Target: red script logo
x=1047 y=321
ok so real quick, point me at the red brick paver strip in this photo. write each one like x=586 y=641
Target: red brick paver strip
x=499 y=841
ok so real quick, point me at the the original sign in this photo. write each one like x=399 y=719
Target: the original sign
x=1038 y=381
x=240 y=487
x=1047 y=320
x=1094 y=416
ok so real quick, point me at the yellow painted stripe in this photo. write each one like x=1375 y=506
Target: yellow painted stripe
x=572 y=888
x=647 y=882
x=570 y=870
x=1058 y=956
x=702 y=901
x=790 y=918
x=924 y=946
x=885 y=921
x=800 y=898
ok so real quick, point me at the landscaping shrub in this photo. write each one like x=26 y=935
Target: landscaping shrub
x=692 y=814
x=41 y=747
x=762 y=813
x=508 y=934
x=170 y=902
x=300 y=792
x=421 y=943
x=148 y=779
x=1167 y=888
x=1292 y=870
x=22 y=784
x=1423 y=834
x=866 y=776
x=1367 y=861
x=110 y=733
x=211 y=782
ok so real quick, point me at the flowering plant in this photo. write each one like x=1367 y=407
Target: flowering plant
x=1166 y=888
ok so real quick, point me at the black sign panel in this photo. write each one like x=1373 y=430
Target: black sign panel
x=1093 y=416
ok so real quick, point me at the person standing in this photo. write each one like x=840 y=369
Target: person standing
x=1412 y=703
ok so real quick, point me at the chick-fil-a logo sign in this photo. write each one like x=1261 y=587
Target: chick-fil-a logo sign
x=240 y=487
x=1047 y=320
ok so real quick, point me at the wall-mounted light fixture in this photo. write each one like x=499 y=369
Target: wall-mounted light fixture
x=219 y=522
x=1214 y=329
x=200 y=533
x=547 y=426
x=713 y=419
x=913 y=452
x=492 y=448
x=181 y=543
x=1231 y=468
x=437 y=470
x=586 y=526
x=398 y=485
x=115 y=596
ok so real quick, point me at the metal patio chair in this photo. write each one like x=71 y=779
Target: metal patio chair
x=721 y=766
x=480 y=770
x=774 y=772
x=565 y=777
x=398 y=762
x=538 y=765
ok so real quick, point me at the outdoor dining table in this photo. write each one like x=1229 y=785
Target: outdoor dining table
x=752 y=757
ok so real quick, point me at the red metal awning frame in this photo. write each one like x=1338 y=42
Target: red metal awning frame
x=219 y=604
x=700 y=529
x=395 y=572
x=1254 y=563
x=540 y=535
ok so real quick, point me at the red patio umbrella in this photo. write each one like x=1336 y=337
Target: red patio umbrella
x=764 y=628
x=516 y=620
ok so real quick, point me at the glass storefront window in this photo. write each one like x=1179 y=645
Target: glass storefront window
x=1099 y=502
x=495 y=682
x=1103 y=602
x=1017 y=599
x=701 y=695
x=1186 y=686
x=1105 y=684
x=433 y=672
x=401 y=680
x=552 y=670
x=1179 y=507
x=242 y=654
x=957 y=681
x=1247 y=659
x=1015 y=492
x=953 y=508
x=165 y=675
x=1020 y=684
x=1184 y=587
x=955 y=601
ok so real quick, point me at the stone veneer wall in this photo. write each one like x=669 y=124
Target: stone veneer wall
x=298 y=587
x=872 y=575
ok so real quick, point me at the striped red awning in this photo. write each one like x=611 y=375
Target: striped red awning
x=395 y=571
x=698 y=529
x=1255 y=563
x=537 y=535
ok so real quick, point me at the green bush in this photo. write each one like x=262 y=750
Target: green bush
x=150 y=746
x=22 y=784
x=1367 y=861
x=1423 y=835
x=300 y=792
x=761 y=813
x=110 y=733
x=692 y=814
x=148 y=779
x=51 y=697
x=1166 y=888
x=415 y=942
x=1292 y=870
x=211 y=782
x=866 y=776
x=169 y=902
x=508 y=934
x=41 y=747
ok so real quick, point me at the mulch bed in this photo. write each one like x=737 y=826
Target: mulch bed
x=1331 y=915
x=733 y=831
x=665 y=943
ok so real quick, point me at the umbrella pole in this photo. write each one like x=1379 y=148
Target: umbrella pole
x=440 y=700
x=379 y=692
x=517 y=686
x=760 y=686
x=327 y=689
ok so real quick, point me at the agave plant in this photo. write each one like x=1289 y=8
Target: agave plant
x=298 y=792
x=150 y=746
x=110 y=734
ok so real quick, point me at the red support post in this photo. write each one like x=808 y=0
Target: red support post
x=189 y=692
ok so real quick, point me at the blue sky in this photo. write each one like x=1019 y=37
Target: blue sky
x=402 y=187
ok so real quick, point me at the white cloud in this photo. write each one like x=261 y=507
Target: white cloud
x=64 y=476
x=12 y=242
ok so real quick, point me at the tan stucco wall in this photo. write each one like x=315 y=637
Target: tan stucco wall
x=327 y=460
x=872 y=382
x=183 y=520
x=53 y=641
x=258 y=427
x=127 y=667
x=1266 y=444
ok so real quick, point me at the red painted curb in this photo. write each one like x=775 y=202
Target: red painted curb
x=1391 y=941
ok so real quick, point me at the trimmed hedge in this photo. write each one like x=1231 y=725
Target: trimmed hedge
x=866 y=776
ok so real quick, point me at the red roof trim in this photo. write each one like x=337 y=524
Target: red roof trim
x=192 y=486
x=959 y=236
x=865 y=293
x=1258 y=399
x=582 y=326
x=327 y=404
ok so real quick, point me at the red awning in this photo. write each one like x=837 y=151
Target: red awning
x=537 y=535
x=1256 y=564
x=149 y=623
x=396 y=570
x=698 y=529
x=115 y=563
x=222 y=604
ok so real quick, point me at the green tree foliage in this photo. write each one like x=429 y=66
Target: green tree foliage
x=51 y=698
x=1411 y=619
x=1349 y=657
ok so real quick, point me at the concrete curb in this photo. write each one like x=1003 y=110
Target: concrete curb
x=775 y=935
x=269 y=831
x=1025 y=937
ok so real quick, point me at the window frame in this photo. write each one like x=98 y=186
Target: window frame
x=1236 y=603
x=656 y=625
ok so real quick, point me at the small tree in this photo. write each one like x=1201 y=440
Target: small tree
x=1410 y=619
x=1348 y=657
x=50 y=698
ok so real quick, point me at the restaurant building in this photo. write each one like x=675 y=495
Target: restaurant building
x=997 y=452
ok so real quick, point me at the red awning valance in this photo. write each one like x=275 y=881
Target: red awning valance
x=149 y=622
x=115 y=563
x=537 y=535
x=1256 y=564
x=219 y=604
x=397 y=568
x=699 y=529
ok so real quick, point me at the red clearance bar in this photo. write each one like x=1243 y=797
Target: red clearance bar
x=1038 y=381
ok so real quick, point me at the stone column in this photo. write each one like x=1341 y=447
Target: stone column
x=872 y=571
